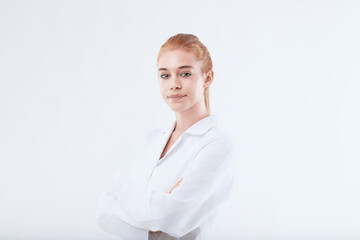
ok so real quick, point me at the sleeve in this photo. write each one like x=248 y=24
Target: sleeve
x=105 y=215
x=205 y=187
x=109 y=222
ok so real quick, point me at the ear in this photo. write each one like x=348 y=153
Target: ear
x=209 y=78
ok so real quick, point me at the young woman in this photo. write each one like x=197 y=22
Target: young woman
x=179 y=176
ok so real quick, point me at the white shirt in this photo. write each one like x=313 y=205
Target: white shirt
x=136 y=199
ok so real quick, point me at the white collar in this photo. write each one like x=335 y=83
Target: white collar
x=199 y=127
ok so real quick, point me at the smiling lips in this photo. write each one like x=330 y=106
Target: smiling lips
x=176 y=96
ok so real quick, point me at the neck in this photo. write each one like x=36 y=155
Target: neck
x=187 y=118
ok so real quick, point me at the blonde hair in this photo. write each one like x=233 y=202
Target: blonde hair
x=191 y=43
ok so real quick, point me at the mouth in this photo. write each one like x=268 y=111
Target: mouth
x=177 y=97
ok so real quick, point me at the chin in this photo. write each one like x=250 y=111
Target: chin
x=177 y=108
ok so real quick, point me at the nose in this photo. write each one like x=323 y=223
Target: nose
x=175 y=83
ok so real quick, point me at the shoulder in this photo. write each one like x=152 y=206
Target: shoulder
x=217 y=135
x=217 y=147
x=214 y=147
x=219 y=143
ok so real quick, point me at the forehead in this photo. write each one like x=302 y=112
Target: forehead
x=172 y=59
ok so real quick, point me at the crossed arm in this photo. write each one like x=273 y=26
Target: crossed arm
x=175 y=186
x=191 y=201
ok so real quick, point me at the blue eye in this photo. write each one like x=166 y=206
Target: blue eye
x=187 y=74
x=164 y=75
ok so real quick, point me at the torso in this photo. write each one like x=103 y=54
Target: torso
x=172 y=139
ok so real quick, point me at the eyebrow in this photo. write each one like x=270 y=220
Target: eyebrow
x=185 y=66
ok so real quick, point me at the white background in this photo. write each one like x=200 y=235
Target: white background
x=78 y=86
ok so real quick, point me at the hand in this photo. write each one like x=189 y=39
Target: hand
x=176 y=185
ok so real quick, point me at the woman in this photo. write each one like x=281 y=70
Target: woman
x=179 y=176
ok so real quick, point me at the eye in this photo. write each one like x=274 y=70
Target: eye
x=164 y=75
x=185 y=74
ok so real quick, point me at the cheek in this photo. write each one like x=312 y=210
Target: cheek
x=197 y=90
x=163 y=89
x=161 y=85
